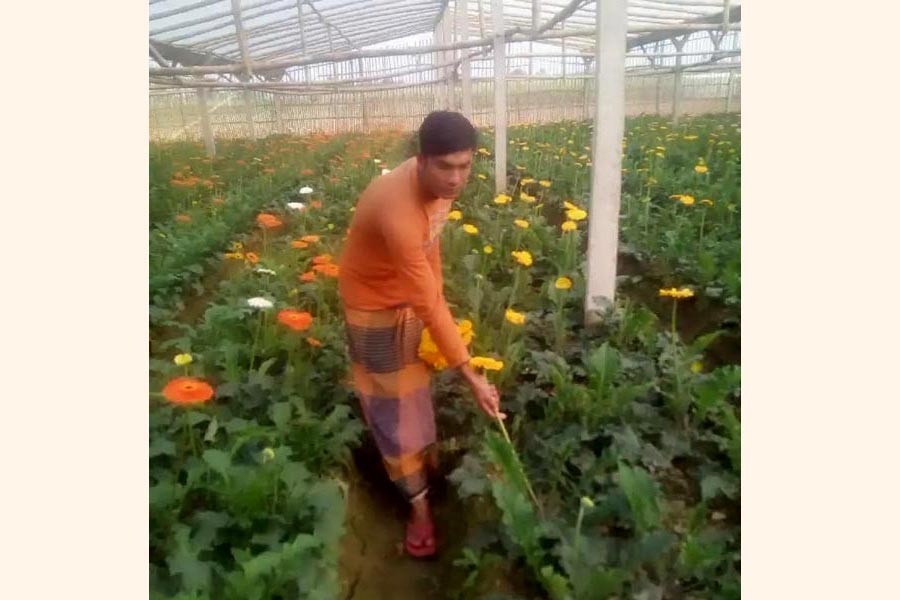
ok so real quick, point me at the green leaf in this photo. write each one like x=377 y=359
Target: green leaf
x=162 y=446
x=641 y=491
x=218 y=461
x=719 y=483
x=208 y=524
x=555 y=584
x=195 y=574
x=210 y=435
x=281 y=415
x=603 y=584
x=470 y=477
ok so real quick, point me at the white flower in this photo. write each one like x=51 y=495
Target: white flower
x=265 y=271
x=296 y=205
x=377 y=161
x=260 y=302
x=306 y=190
x=385 y=171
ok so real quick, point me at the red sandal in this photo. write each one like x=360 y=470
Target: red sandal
x=420 y=540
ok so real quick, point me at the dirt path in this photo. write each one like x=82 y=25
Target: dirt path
x=373 y=564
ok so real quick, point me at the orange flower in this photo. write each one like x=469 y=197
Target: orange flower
x=308 y=276
x=183 y=218
x=299 y=244
x=267 y=220
x=322 y=259
x=295 y=319
x=268 y=171
x=218 y=201
x=306 y=172
x=313 y=342
x=310 y=239
x=187 y=390
x=328 y=269
x=252 y=257
x=241 y=162
x=315 y=204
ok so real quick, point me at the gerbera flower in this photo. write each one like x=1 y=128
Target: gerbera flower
x=259 y=302
x=523 y=257
x=295 y=319
x=502 y=199
x=183 y=360
x=486 y=362
x=470 y=229
x=521 y=223
x=322 y=259
x=576 y=214
x=187 y=390
x=306 y=190
x=252 y=258
x=308 y=276
x=563 y=283
x=514 y=317
x=454 y=215
x=296 y=205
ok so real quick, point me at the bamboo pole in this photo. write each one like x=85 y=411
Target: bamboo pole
x=585 y=93
x=248 y=111
x=465 y=64
x=242 y=40
x=499 y=96
x=439 y=89
x=606 y=175
x=208 y=139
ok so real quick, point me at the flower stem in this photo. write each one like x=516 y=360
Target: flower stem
x=578 y=528
x=255 y=340
x=527 y=483
x=674 y=310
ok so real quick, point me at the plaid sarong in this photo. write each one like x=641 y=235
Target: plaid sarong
x=394 y=389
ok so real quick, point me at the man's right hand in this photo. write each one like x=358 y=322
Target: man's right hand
x=486 y=395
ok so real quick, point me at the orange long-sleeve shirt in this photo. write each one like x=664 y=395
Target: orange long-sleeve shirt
x=392 y=256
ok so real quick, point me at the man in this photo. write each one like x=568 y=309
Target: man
x=391 y=286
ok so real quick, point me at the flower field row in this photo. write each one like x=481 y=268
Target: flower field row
x=617 y=471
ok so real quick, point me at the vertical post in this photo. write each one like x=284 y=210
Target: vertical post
x=276 y=104
x=248 y=111
x=499 y=97
x=677 y=91
x=439 y=88
x=606 y=175
x=585 y=96
x=563 y=43
x=465 y=66
x=302 y=38
x=181 y=110
x=730 y=92
x=362 y=97
x=205 y=125
x=449 y=55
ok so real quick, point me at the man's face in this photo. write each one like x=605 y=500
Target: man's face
x=446 y=176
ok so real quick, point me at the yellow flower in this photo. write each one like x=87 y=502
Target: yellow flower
x=690 y=137
x=563 y=283
x=484 y=151
x=701 y=169
x=481 y=176
x=569 y=226
x=234 y=255
x=660 y=155
x=569 y=205
x=237 y=246
x=686 y=200
x=454 y=215
x=576 y=214
x=520 y=168
x=696 y=366
x=526 y=198
x=523 y=257
x=502 y=199
x=183 y=359
x=516 y=318
x=521 y=223
x=428 y=350
x=545 y=183
x=486 y=362
x=527 y=180
x=267 y=455
x=488 y=249
x=676 y=293
x=470 y=229
x=707 y=201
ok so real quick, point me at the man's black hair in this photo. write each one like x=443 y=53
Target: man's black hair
x=445 y=132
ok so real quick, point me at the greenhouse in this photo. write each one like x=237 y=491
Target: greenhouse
x=575 y=432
